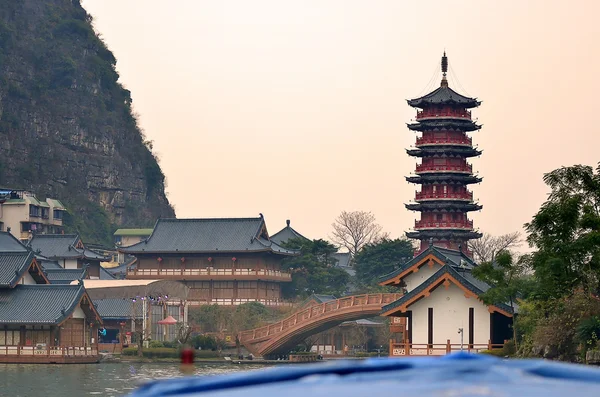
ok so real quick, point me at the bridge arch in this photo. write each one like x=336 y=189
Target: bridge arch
x=280 y=337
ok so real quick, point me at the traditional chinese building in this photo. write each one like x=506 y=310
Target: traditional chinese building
x=444 y=119
x=225 y=261
x=41 y=322
x=440 y=310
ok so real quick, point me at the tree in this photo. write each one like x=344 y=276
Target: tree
x=353 y=230
x=314 y=270
x=378 y=259
x=487 y=247
x=566 y=233
x=506 y=278
x=248 y=316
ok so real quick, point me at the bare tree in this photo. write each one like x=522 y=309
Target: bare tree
x=487 y=247
x=353 y=230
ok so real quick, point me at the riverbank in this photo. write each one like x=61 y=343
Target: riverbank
x=108 y=358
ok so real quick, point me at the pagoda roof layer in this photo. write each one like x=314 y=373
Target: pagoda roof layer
x=209 y=235
x=446 y=234
x=444 y=204
x=444 y=95
x=462 y=151
x=432 y=125
x=444 y=177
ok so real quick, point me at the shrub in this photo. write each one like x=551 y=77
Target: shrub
x=494 y=352
x=156 y=344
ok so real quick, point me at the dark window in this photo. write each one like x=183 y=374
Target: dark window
x=471 y=325
x=34 y=210
x=57 y=214
x=45 y=213
x=430 y=326
x=439 y=217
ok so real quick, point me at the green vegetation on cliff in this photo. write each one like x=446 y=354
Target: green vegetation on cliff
x=67 y=126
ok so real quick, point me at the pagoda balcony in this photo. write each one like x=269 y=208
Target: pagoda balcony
x=444 y=225
x=423 y=196
x=466 y=169
x=210 y=274
x=466 y=141
x=444 y=114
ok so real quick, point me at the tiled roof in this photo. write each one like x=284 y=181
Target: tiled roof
x=39 y=304
x=213 y=235
x=117 y=309
x=61 y=246
x=364 y=322
x=343 y=259
x=47 y=263
x=133 y=232
x=65 y=276
x=105 y=274
x=450 y=257
x=8 y=243
x=286 y=234
x=464 y=277
x=443 y=95
x=448 y=125
x=12 y=267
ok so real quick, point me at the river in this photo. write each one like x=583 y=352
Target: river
x=105 y=379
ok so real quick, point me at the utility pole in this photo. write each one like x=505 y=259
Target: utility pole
x=460 y=331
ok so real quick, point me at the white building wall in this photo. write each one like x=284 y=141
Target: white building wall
x=27 y=279
x=450 y=312
x=78 y=312
x=12 y=215
x=127 y=241
x=413 y=280
x=70 y=263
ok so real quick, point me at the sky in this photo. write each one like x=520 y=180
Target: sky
x=297 y=109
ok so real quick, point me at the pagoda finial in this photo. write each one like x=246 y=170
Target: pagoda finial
x=444 y=70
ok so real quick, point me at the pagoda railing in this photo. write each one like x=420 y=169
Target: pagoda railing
x=444 y=141
x=467 y=169
x=422 y=196
x=443 y=225
x=432 y=114
x=209 y=272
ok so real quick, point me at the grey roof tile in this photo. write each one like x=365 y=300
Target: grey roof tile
x=39 y=304
x=105 y=274
x=8 y=243
x=54 y=246
x=212 y=235
x=286 y=234
x=12 y=267
x=443 y=95
x=48 y=263
x=65 y=276
x=343 y=259
x=117 y=309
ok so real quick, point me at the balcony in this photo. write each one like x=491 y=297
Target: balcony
x=237 y=301
x=423 y=196
x=465 y=168
x=210 y=274
x=444 y=114
x=423 y=141
x=468 y=225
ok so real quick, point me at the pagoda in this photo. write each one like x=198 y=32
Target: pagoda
x=444 y=119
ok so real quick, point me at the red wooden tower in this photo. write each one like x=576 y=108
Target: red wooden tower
x=444 y=119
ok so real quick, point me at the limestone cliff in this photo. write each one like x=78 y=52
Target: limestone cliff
x=67 y=125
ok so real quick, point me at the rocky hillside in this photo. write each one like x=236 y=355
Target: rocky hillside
x=67 y=126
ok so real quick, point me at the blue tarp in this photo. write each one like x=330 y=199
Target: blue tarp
x=454 y=375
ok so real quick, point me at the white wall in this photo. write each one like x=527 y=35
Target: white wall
x=78 y=312
x=70 y=263
x=450 y=312
x=126 y=241
x=413 y=280
x=27 y=279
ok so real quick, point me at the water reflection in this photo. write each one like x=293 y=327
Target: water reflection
x=109 y=379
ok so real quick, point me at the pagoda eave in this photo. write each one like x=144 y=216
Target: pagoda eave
x=443 y=234
x=444 y=177
x=427 y=150
x=432 y=205
x=444 y=125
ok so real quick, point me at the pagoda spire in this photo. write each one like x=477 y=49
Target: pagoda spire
x=444 y=70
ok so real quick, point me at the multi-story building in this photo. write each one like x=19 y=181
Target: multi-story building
x=23 y=214
x=225 y=261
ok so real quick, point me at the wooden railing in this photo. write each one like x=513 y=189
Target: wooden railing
x=444 y=141
x=236 y=301
x=310 y=313
x=48 y=351
x=208 y=272
x=443 y=225
x=466 y=168
x=444 y=196
x=456 y=114
x=415 y=349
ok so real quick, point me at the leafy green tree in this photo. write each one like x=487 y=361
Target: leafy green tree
x=507 y=281
x=566 y=233
x=378 y=259
x=314 y=270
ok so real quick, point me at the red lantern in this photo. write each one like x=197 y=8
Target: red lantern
x=210 y=259
x=159 y=259
x=234 y=259
x=182 y=260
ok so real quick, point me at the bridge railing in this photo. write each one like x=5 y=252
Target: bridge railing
x=311 y=312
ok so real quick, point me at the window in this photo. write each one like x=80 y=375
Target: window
x=45 y=213
x=34 y=210
x=10 y=337
x=57 y=214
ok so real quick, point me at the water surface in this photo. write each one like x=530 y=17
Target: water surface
x=105 y=379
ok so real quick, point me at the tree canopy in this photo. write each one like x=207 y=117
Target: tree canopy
x=378 y=259
x=314 y=270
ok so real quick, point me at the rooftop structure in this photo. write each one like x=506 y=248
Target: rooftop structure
x=444 y=173
x=285 y=234
x=128 y=237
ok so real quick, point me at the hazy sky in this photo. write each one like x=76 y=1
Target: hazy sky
x=297 y=109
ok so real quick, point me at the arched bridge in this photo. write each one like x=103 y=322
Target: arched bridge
x=284 y=335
